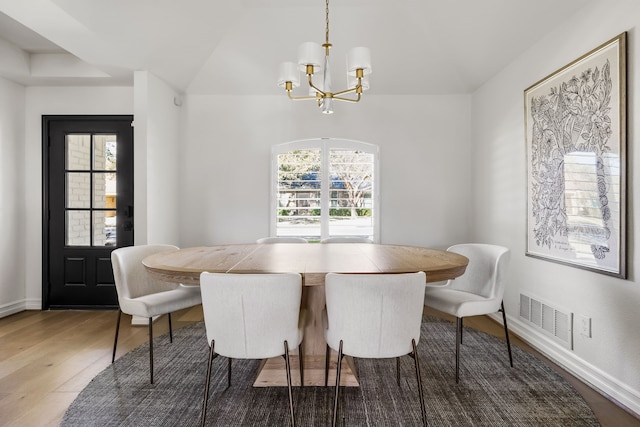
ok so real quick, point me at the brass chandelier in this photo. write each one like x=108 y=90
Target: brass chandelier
x=312 y=60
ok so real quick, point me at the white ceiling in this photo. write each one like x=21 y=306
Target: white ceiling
x=234 y=47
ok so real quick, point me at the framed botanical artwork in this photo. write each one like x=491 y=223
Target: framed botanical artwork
x=575 y=130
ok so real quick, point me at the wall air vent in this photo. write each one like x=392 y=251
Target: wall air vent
x=552 y=321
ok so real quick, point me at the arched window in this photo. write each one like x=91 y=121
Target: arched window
x=324 y=188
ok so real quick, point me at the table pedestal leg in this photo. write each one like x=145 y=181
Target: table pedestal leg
x=272 y=371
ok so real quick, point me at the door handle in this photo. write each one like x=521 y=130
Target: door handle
x=126 y=211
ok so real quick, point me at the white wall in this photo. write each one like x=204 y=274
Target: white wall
x=611 y=358
x=12 y=208
x=424 y=163
x=157 y=146
x=49 y=101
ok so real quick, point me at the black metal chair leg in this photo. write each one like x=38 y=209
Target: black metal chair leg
x=170 y=329
x=288 y=366
x=458 y=342
x=461 y=329
x=151 y=348
x=326 y=365
x=419 y=378
x=398 y=371
x=335 y=402
x=301 y=362
x=229 y=372
x=212 y=356
x=115 y=341
x=506 y=332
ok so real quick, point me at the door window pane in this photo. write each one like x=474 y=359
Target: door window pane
x=104 y=228
x=104 y=152
x=78 y=190
x=104 y=190
x=110 y=228
x=78 y=228
x=78 y=152
x=99 y=233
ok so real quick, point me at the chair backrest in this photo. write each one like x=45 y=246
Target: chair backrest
x=251 y=315
x=282 y=240
x=130 y=275
x=346 y=240
x=375 y=315
x=486 y=273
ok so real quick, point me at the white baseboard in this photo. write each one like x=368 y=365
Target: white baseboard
x=17 y=306
x=605 y=384
x=33 y=304
x=12 y=308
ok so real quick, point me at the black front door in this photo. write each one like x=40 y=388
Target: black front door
x=88 y=207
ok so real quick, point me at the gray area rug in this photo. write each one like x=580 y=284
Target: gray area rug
x=490 y=393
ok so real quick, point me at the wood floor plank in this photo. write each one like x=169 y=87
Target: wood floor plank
x=79 y=381
x=35 y=409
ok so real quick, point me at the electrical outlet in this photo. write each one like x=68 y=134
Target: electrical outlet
x=585 y=326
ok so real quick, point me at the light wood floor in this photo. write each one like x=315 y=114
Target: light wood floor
x=47 y=358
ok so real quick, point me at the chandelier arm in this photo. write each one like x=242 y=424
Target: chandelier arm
x=342 y=92
x=323 y=93
x=300 y=98
x=347 y=99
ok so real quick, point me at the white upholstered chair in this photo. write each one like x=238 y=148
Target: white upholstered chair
x=141 y=295
x=346 y=240
x=374 y=316
x=282 y=240
x=478 y=291
x=252 y=316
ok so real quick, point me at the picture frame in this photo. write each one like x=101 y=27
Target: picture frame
x=575 y=132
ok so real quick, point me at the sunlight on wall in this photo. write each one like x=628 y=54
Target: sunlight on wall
x=591 y=201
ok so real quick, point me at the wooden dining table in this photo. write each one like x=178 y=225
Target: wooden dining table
x=313 y=261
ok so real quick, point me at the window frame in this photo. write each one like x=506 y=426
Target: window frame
x=325 y=145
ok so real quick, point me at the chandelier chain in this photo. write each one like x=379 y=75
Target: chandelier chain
x=327 y=21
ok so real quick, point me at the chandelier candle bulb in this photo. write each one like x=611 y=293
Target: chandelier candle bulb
x=359 y=58
x=289 y=73
x=310 y=53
